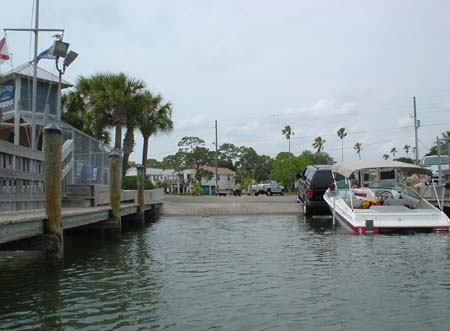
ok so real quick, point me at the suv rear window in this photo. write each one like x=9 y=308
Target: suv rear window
x=309 y=173
x=324 y=178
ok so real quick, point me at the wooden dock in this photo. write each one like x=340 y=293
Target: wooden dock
x=33 y=197
x=27 y=224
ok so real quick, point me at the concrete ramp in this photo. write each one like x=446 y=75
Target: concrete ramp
x=244 y=205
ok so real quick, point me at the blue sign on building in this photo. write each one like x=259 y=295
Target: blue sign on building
x=7 y=97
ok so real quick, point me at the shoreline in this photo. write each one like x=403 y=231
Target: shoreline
x=187 y=205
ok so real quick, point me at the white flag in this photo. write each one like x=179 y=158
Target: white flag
x=4 y=53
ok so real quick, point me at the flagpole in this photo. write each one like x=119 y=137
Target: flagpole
x=36 y=31
x=34 y=95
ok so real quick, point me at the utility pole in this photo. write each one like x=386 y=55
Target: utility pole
x=216 y=157
x=36 y=31
x=438 y=150
x=416 y=138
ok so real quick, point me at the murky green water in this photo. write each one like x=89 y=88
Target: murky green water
x=237 y=273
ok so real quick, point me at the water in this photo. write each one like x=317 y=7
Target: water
x=237 y=273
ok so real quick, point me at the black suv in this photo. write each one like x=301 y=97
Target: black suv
x=312 y=184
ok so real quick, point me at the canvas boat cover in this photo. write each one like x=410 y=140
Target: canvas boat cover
x=349 y=167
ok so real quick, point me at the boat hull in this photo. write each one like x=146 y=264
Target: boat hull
x=383 y=219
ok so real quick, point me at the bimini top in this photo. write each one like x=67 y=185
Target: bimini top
x=349 y=167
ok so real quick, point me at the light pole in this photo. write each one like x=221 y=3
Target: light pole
x=60 y=49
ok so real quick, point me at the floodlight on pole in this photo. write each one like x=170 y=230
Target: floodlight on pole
x=60 y=49
x=70 y=57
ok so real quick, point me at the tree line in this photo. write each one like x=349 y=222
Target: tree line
x=248 y=165
x=319 y=142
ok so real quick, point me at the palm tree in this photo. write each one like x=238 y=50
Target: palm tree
x=155 y=116
x=358 y=148
x=318 y=144
x=133 y=117
x=112 y=94
x=83 y=114
x=128 y=146
x=393 y=151
x=385 y=156
x=287 y=132
x=406 y=148
x=342 y=134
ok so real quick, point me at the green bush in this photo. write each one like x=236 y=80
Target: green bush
x=130 y=183
x=197 y=189
x=148 y=185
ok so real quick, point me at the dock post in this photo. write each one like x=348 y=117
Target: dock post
x=54 y=247
x=140 y=193
x=114 y=188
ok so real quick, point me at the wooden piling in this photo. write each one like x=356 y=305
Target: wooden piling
x=114 y=188
x=140 y=193
x=54 y=247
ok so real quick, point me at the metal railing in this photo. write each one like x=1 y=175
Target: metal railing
x=90 y=158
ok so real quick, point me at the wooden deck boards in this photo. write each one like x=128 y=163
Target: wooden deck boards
x=27 y=224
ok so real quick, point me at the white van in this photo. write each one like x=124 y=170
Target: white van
x=431 y=162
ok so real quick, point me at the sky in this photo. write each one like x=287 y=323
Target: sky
x=257 y=66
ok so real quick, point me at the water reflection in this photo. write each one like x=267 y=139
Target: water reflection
x=318 y=224
x=231 y=273
x=26 y=283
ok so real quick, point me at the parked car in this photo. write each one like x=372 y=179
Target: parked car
x=431 y=162
x=269 y=187
x=311 y=186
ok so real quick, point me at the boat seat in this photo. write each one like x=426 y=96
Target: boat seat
x=364 y=193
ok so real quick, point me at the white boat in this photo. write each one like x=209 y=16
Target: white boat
x=373 y=198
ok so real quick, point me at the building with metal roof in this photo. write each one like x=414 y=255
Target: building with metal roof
x=17 y=118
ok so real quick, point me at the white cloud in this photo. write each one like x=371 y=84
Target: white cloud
x=191 y=123
x=253 y=126
x=324 y=108
x=304 y=61
x=405 y=121
x=446 y=105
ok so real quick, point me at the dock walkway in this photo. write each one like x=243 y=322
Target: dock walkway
x=26 y=224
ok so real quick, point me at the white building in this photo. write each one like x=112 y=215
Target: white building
x=184 y=180
x=155 y=175
x=226 y=179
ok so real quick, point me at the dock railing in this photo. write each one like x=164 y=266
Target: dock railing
x=21 y=178
x=84 y=161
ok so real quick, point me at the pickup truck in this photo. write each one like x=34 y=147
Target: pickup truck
x=268 y=187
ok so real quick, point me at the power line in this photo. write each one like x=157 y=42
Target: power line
x=435 y=124
x=370 y=143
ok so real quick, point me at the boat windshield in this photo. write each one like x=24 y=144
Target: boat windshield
x=386 y=193
x=341 y=185
x=396 y=186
